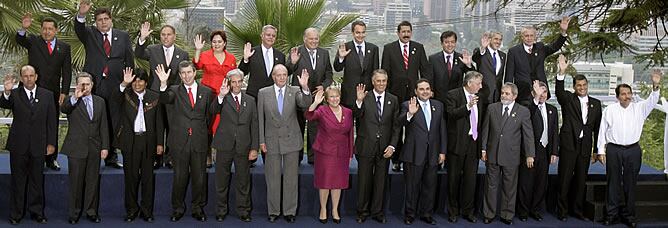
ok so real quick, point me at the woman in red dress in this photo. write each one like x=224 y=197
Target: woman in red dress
x=333 y=149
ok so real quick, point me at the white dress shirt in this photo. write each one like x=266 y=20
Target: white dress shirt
x=268 y=58
x=623 y=126
x=140 y=124
x=472 y=109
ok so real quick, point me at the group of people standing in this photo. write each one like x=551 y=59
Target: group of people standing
x=450 y=108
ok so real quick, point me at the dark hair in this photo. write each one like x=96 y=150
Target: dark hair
x=140 y=74
x=421 y=80
x=356 y=23
x=50 y=19
x=447 y=34
x=186 y=63
x=404 y=23
x=101 y=11
x=220 y=33
x=619 y=88
x=168 y=26
x=579 y=77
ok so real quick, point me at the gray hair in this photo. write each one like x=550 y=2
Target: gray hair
x=84 y=75
x=378 y=73
x=311 y=29
x=238 y=72
x=527 y=29
x=267 y=27
x=512 y=86
x=471 y=75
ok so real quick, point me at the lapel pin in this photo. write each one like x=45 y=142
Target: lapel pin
x=146 y=104
x=513 y=115
x=199 y=97
x=591 y=106
x=177 y=56
x=115 y=38
x=36 y=100
x=550 y=112
x=368 y=51
x=433 y=109
x=413 y=52
x=535 y=54
x=244 y=104
x=58 y=48
x=389 y=102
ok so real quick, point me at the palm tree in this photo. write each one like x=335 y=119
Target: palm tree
x=290 y=17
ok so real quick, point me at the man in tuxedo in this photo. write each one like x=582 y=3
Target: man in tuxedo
x=51 y=61
x=236 y=140
x=491 y=63
x=358 y=67
x=108 y=52
x=424 y=149
x=281 y=141
x=189 y=138
x=506 y=134
x=377 y=115
x=405 y=62
x=140 y=137
x=169 y=55
x=87 y=142
x=533 y=181
x=259 y=66
x=581 y=115
x=448 y=66
x=32 y=134
x=465 y=112
x=315 y=61
x=526 y=61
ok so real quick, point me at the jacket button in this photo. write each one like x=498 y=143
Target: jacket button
x=501 y=135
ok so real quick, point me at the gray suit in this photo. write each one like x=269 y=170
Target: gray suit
x=501 y=139
x=280 y=133
x=83 y=143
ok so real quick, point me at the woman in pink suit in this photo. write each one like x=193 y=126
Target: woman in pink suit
x=333 y=148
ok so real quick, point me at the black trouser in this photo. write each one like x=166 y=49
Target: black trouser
x=533 y=183
x=138 y=168
x=420 y=189
x=27 y=178
x=224 y=160
x=311 y=131
x=622 y=170
x=84 y=175
x=572 y=175
x=189 y=164
x=462 y=171
x=372 y=179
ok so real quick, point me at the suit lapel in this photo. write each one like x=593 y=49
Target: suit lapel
x=578 y=107
x=98 y=40
x=43 y=49
x=262 y=63
x=510 y=114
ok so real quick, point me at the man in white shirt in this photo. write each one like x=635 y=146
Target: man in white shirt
x=618 y=148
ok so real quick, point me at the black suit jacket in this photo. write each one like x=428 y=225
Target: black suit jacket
x=237 y=130
x=184 y=117
x=255 y=66
x=354 y=73
x=371 y=130
x=572 y=122
x=522 y=68
x=34 y=126
x=422 y=146
x=491 y=81
x=460 y=124
x=153 y=120
x=120 y=57
x=401 y=82
x=155 y=54
x=50 y=68
x=85 y=137
x=321 y=76
x=444 y=81
x=552 y=130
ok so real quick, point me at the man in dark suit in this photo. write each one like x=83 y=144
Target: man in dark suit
x=424 y=149
x=259 y=66
x=465 y=112
x=581 y=115
x=169 y=55
x=491 y=63
x=315 y=61
x=506 y=134
x=533 y=182
x=189 y=137
x=526 y=61
x=34 y=131
x=140 y=137
x=377 y=115
x=87 y=142
x=448 y=66
x=108 y=52
x=51 y=61
x=405 y=62
x=236 y=140
x=357 y=67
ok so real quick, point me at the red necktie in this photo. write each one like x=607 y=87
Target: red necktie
x=48 y=46
x=447 y=62
x=107 y=51
x=405 y=55
x=236 y=101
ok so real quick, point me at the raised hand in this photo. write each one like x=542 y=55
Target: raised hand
x=484 y=41
x=413 y=106
x=248 y=51
x=562 y=64
x=128 y=77
x=466 y=58
x=537 y=89
x=319 y=97
x=199 y=42
x=294 y=55
x=79 y=91
x=9 y=83
x=162 y=75
x=342 y=50
x=26 y=21
x=145 y=30
x=303 y=79
x=564 y=24
x=84 y=7
x=656 y=76
x=361 y=92
x=224 y=89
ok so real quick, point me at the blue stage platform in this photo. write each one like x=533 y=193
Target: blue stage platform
x=112 y=210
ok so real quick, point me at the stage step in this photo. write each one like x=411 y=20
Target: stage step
x=651 y=200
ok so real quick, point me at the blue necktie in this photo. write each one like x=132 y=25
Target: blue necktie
x=379 y=108
x=89 y=107
x=427 y=114
x=280 y=101
x=494 y=61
